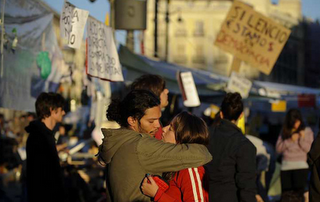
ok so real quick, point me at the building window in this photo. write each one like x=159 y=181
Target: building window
x=199 y=58
x=199 y=30
x=180 y=56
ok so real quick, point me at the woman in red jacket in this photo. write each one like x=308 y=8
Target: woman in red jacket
x=189 y=184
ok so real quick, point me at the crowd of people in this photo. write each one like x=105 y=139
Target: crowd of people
x=187 y=160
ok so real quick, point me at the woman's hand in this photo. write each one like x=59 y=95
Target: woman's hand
x=295 y=137
x=149 y=188
x=302 y=134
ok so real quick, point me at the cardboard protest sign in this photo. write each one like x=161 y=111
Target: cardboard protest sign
x=72 y=22
x=239 y=84
x=188 y=89
x=102 y=56
x=252 y=37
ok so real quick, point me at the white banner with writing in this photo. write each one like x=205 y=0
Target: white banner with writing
x=72 y=22
x=102 y=56
x=239 y=84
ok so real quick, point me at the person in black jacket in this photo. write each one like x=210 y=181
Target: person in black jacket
x=44 y=174
x=314 y=164
x=233 y=167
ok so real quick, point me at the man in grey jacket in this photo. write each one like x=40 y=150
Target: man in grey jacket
x=131 y=151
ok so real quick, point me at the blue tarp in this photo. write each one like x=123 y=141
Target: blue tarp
x=136 y=65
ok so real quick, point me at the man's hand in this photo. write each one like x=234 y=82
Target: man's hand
x=302 y=134
x=149 y=188
x=258 y=198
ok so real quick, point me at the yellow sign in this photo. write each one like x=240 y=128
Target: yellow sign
x=241 y=124
x=252 y=37
x=280 y=106
x=106 y=21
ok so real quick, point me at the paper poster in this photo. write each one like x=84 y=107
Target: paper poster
x=252 y=37
x=102 y=56
x=188 y=89
x=72 y=22
x=239 y=84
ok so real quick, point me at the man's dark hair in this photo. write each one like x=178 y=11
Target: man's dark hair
x=232 y=106
x=46 y=102
x=154 y=83
x=134 y=104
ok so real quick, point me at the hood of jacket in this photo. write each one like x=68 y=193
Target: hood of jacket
x=38 y=126
x=113 y=140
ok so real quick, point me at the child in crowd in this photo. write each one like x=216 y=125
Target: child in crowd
x=188 y=184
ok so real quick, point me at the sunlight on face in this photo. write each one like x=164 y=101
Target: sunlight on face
x=58 y=114
x=168 y=134
x=149 y=123
x=164 y=98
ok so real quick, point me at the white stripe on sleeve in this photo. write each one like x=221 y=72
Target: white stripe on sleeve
x=193 y=184
x=199 y=184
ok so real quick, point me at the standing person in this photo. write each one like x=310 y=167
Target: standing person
x=294 y=143
x=314 y=162
x=233 y=168
x=44 y=174
x=157 y=85
x=188 y=184
x=130 y=151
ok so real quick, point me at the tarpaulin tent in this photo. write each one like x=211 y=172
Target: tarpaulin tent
x=208 y=84
x=136 y=65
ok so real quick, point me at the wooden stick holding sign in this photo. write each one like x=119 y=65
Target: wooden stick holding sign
x=235 y=66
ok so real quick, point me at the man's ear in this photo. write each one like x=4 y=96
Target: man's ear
x=131 y=121
x=51 y=110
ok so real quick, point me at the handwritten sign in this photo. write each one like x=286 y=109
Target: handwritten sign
x=239 y=84
x=188 y=89
x=102 y=56
x=72 y=22
x=252 y=37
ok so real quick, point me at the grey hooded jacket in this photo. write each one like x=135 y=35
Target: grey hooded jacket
x=130 y=155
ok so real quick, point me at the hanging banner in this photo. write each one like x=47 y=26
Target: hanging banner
x=188 y=89
x=306 y=100
x=72 y=22
x=102 y=56
x=252 y=37
x=239 y=84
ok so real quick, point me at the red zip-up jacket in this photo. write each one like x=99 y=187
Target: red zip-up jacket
x=187 y=185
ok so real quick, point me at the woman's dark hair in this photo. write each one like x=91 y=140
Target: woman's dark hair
x=292 y=116
x=154 y=83
x=231 y=108
x=188 y=128
x=134 y=104
x=47 y=101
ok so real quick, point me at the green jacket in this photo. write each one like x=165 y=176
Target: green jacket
x=130 y=155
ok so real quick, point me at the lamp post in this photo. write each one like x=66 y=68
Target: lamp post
x=156 y=28
x=167 y=30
